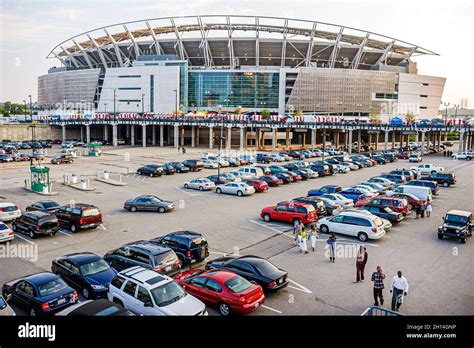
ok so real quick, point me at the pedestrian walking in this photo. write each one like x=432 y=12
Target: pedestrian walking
x=444 y=153
x=303 y=238
x=332 y=247
x=184 y=150
x=399 y=289
x=429 y=209
x=297 y=227
x=377 y=278
x=313 y=235
x=361 y=261
x=423 y=209
x=418 y=211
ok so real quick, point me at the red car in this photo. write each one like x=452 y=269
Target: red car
x=290 y=212
x=296 y=177
x=224 y=290
x=271 y=180
x=398 y=205
x=413 y=201
x=403 y=155
x=79 y=216
x=258 y=185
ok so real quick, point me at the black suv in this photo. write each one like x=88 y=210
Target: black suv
x=433 y=185
x=62 y=159
x=444 y=179
x=457 y=224
x=316 y=203
x=145 y=254
x=193 y=165
x=36 y=223
x=151 y=170
x=190 y=246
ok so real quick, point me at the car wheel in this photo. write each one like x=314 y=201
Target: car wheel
x=151 y=175
x=440 y=236
x=463 y=240
x=324 y=229
x=32 y=235
x=139 y=172
x=73 y=228
x=362 y=236
x=117 y=301
x=468 y=158
x=85 y=293
x=224 y=309
x=218 y=190
x=433 y=172
x=267 y=218
x=240 y=193
x=161 y=210
x=201 y=188
x=133 y=209
x=32 y=312
x=445 y=184
x=186 y=186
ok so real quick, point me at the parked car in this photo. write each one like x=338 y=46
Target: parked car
x=60 y=159
x=342 y=169
x=264 y=169
x=151 y=170
x=467 y=155
x=332 y=207
x=311 y=173
x=340 y=199
x=5 y=309
x=253 y=268
x=271 y=180
x=216 y=180
x=443 y=179
x=6 y=158
x=262 y=158
x=296 y=177
x=21 y=157
x=276 y=157
x=356 y=193
x=427 y=169
x=433 y=185
x=398 y=179
x=36 y=223
x=415 y=157
x=375 y=186
x=143 y=292
x=290 y=212
x=179 y=167
x=79 y=216
x=224 y=290
x=235 y=188
x=422 y=193
x=201 y=184
x=47 y=206
x=408 y=174
x=9 y=212
x=403 y=155
x=321 y=169
x=6 y=233
x=168 y=169
x=293 y=154
x=325 y=189
x=258 y=185
x=40 y=293
x=317 y=204
x=457 y=224
x=189 y=246
x=233 y=162
x=413 y=201
x=86 y=272
x=362 y=226
x=231 y=177
x=148 y=203
x=283 y=176
x=95 y=308
x=383 y=212
x=144 y=254
x=210 y=164
x=193 y=165
x=389 y=184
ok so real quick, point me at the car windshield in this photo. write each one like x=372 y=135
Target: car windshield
x=378 y=222
x=455 y=219
x=237 y=284
x=49 y=205
x=387 y=210
x=265 y=267
x=9 y=208
x=51 y=287
x=90 y=212
x=165 y=257
x=94 y=267
x=3 y=227
x=167 y=293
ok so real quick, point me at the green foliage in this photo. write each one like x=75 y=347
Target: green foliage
x=265 y=113
x=8 y=108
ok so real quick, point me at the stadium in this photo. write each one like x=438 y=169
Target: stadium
x=239 y=64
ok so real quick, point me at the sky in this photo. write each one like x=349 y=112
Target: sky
x=30 y=29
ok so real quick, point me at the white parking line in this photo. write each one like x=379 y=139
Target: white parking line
x=101 y=226
x=188 y=193
x=67 y=234
x=271 y=309
x=218 y=253
x=271 y=228
x=300 y=287
x=26 y=240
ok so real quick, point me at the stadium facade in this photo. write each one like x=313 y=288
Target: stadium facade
x=226 y=63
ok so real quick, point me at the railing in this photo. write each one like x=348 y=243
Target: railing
x=379 y=312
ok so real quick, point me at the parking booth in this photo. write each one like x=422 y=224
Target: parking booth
x=94 y=149
x=40 y=181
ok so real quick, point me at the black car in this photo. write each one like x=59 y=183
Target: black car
x=321 y=169
x=95 y=308
x=383 y=212
x=193 y=165
x=46 y=206
x=189 y=246
x=433 y=185
x=179 y=167
x=145 y=254
x=380 y=159
x=85 y=272
x=390 y=157
x=304 y=175
x=62 y=159
x=36 y=145
x=399 y=179
x=168 y=169
x=317 y=203
x=443 y=179
x=457 y=224
x=150 y=170
x=332 y=161
x=291 y=166
x=36 y=223
x=216 y=180
x=253 y=268
x=286 y=178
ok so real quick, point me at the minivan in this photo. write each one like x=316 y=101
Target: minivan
x=423 y=193
x=254 y=171
x=433 y=185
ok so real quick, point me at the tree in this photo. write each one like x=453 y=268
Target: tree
x=299 y=113
x=409 y=117
x=374 y=116
x=238 y=111
x=265 y=113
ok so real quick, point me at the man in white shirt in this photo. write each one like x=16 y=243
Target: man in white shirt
x=398 y=288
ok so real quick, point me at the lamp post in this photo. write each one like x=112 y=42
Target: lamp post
x=115 y=96
x=143 y=105
x=176 y=103
x=31 y=108
x=25 y=111
x=105 y=107
x=221 y=137
x=446 y=113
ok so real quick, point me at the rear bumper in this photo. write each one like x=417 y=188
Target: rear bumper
x=249 y=307
x=278 y=286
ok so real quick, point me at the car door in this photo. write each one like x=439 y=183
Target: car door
x=336 y=224
x=19 y=294
x=63 y=269
x=75 y=276
x=144 y=303
x=120 y=259
x=140 y=203
x=62 y=214
x=196 y=287
x=349 y=226
x=213 y=292
x=129 y=295
x=279 y=212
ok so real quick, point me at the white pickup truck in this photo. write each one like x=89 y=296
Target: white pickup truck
x=427 y=169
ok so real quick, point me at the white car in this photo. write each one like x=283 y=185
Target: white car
x=415 y=157
x=387 y=225
x=221 y=161
x=312 y=174
x=427 y=169
x=352 y=166
x=334 y=151
x=146 y=292
x=353 y=223
x=367 y=187
x=383 y=181
x=9 y=212
x=302 y=164
x=374 y=185
x=342 y=168
x=276 y=158
x=340 y=199
x=201 y=184
x=463 y=155
x=205 y=155
x=6 y=233
x=243 y=175
x=210 y=164
x=235 y=188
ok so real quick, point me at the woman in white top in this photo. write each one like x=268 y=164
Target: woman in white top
x=428 y=210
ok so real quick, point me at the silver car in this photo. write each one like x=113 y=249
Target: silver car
x=343 y=201
x=148 y=203
x=235 y=188
x=201 y=184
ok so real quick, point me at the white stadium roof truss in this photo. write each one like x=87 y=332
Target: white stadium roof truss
x=288 y=43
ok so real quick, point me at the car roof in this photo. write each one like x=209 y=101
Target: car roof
x=459 y=212
x=37 y=213
x=185 y=234
x=148 y=247
x=82 y=258
x=144 y=275
x=91 y=307
x=253 y=260
x=220 y=274
x=46 y=201
x=40 y=278
x=6 y=204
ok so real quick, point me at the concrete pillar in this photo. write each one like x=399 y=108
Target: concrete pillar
x=88 y=133
x=337 y=137
x=346 y=140
x=359 y=140
x=386 y=140
x=242 y=139
x=114 y=135
x=182 y=136
x=258 y=134
x=106 y=132
x=304 y=140
x=370 y=140
x=461 y=141
x=127 y=130
x=197 y=135
x=274 y=140
x=132 y=134
x=82 y=132
x=211 y=138
x=153 y=135
x=193 y=137
x=394 y=137
x=162 y=135
x=349 y=146
x=417 y=137
x=422 y=144
x=401 y=139
x=228 y=140
x=313 y=138
x=144 y=135
x=446 y=136
x=63 y=131
x=176 y=136
x=287 y=139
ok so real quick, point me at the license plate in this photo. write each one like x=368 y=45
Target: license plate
x=257 y=304
x=61 y=301
x=193 y=260
x=168 y=268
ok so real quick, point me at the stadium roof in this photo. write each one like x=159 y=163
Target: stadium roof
x=219 y=41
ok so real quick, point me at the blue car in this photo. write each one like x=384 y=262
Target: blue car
x=276 y=169
x=356 y=193
x=325 y=189
x=262 y=158
x=41 y=293
x=85 y=272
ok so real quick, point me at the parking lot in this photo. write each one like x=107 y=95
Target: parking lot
x=439 y=271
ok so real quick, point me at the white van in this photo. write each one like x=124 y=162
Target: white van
x=423 y=193
x=254 y=171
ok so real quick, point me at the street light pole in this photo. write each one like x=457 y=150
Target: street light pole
x=105 y=107
x=115 y=116
x=220 y=146
x=176 y=104
x=143 y=105
x=446 y=114
x=31 y=108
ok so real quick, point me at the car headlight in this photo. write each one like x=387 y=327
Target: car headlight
x=98 y=287
x=445 y=229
